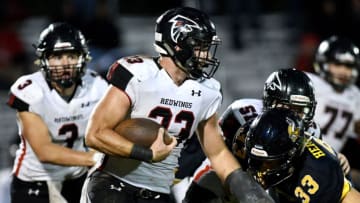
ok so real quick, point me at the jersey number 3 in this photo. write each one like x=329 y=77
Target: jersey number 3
x=308 y=187
x=72 y=133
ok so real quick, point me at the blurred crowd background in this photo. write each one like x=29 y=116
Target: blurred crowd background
x=258 y=37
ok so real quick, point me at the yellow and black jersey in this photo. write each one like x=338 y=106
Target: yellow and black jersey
x=318 y=177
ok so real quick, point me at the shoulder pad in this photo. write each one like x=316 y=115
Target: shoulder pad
x=91 y=75
x=141 y=67
x=355 y=89
x=211 y=83
x=27 y=90
x=240 y=103
x=316 y=79
x=314 y=130
x=244 y=109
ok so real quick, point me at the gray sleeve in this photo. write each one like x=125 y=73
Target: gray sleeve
x=246 y=189
x=212 y=182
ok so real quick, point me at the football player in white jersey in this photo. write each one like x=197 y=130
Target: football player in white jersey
x=337 y=112
x=177 y=90
x=53 y=107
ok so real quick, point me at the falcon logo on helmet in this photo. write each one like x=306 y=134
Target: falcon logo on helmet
x=188 y=36
x=276 y=84
x=181 y=24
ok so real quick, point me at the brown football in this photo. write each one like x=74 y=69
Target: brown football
x=141 y=131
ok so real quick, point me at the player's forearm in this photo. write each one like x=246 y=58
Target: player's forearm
x=60 y=155
x=108 y=142
x=223 y=170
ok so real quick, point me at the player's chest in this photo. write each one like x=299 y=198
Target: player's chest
x=178 y=109
x=335 y=109
x=299 y=188
x=344 y=101
x=169 y=97
x=65 y=118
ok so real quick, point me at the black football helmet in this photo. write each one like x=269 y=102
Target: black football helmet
x=293 y=88
x=58 y=38
x=273 y=143
x=185 y=34
x=339 y=51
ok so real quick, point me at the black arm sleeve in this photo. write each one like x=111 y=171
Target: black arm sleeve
x=245 y=189
x=17 y=103
x=119 y=76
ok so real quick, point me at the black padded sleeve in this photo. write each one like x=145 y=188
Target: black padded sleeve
x=119 y=76
x=17 y=103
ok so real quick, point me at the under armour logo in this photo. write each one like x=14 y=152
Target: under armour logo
x=33 y=192
x=85 y=104
x=193 y=92
x=113 y=187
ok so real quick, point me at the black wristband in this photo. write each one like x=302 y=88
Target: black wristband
x=141 y=153
x=245 y=188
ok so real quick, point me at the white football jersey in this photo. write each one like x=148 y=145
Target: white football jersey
x=335 y=112
x=66 y=122
x=243 y=110
x=153 y=94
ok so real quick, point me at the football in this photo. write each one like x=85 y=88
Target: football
x=141 y=131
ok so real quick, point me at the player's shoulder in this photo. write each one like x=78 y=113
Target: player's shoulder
x=139 y=66
x=353 y=89
x=313 y=76
x=243 y=109
x=319 y=145
x=211 y=83
x=132 y=68
x=93 y=78
x=320 y=84
x=321 y=156
x=30 y=88
x=239 y=103
x=320 y=163
x=314 y=130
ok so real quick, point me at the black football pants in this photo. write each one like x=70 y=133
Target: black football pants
x=37 y=191
x=104 y=188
